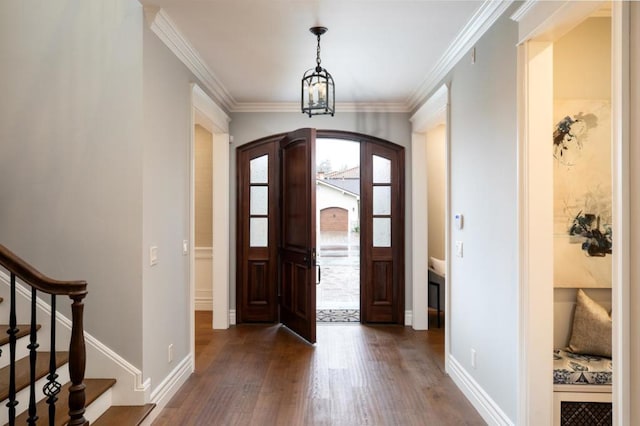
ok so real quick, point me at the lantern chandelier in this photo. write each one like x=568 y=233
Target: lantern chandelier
x=317 y=85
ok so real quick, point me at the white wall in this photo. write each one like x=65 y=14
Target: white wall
x=71 y=153
x=484 y=283
x=166 y=216
x=394 y=127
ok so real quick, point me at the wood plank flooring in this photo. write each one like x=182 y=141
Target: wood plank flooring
x=354 y=375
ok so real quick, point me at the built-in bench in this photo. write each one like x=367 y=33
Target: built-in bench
x=581 y=382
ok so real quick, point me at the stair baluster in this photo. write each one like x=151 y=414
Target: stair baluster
x=52 y=388
x=33 y=345
x=13 y=330
x=76 y=291
x=77 y=363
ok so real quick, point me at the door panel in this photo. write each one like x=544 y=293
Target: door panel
x=257 y=289
x=382 y=283
x=298 y=233
x=382 y=249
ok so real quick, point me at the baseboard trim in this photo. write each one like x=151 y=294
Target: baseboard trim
x=204 y=303
x=408 y=318
x=487 y=407
x=232 y=317
x=167 y=389
x=170 y=385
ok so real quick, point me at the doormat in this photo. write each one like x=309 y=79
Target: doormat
x=338 y=315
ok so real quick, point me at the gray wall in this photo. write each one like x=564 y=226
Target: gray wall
x=484 y=283
x=165 y=218
x=394 y=127
x=95 y=125
x=71 y=153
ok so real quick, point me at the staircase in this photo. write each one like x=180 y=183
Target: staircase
x=39 y=385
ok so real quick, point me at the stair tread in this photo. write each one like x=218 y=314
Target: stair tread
x=22 y=371
x=23 y=330
x=94 y=388
x=124 y=415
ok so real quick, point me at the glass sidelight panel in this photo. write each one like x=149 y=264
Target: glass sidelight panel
x=382 y=200
x=259 y=200
x=381 y=170
x=382 y=232
x=258 y=232
x=259 y=170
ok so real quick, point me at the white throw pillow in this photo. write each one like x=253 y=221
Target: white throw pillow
x=438 y=265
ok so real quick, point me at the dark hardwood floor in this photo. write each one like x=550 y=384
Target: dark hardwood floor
x=355 y=375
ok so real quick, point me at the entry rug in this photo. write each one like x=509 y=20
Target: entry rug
x=338 y=315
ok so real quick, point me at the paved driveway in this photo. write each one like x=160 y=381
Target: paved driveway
x=339 y=261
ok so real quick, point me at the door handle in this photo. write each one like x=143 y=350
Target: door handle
x=319 y=275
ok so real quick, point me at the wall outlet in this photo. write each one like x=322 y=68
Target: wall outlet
x=473 y=358
x=170 y=353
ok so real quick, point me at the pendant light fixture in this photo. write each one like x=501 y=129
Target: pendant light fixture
x=317 y=85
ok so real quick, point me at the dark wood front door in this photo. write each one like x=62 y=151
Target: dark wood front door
x=297 y=257
x=382 y=238
x=276 y=224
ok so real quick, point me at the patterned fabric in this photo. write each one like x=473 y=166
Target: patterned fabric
x=576 y=369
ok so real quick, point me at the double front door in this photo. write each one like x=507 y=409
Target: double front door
x=276 y=230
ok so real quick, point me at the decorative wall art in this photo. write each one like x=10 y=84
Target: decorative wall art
x=582 y=193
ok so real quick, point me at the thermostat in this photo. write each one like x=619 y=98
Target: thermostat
x=459 y=220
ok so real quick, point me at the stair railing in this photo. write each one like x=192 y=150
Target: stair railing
x=76 y=291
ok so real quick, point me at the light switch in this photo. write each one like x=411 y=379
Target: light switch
x=153 y=255
x=459 y=248
x=185 y=247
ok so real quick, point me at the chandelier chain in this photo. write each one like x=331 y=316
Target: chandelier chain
x=318 y=52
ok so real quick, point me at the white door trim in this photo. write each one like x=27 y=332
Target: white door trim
x=206 y=113
x=434 y=112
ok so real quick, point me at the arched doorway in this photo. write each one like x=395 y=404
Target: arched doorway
x=260 y=177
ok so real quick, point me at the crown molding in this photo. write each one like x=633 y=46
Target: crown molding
x=340 y=107
x=208 y=113
x=161 y=24
x=433 y=112
x=523 y=10
x=479 y=23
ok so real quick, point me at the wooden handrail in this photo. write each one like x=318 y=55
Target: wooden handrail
x=31 y=276
x=76 y=290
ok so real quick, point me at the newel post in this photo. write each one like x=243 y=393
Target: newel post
x=77 y=363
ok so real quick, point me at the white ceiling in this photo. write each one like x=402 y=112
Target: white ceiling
x=379 y=52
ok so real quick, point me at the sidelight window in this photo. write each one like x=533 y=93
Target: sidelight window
x=381 y=202
x=259 y=202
